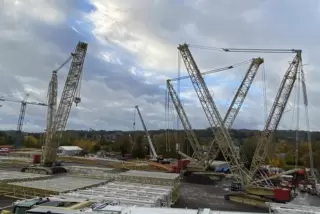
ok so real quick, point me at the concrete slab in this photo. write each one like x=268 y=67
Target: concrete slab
x=158 y=175
x=60 y=184
x=12 y=176
x=128 y=194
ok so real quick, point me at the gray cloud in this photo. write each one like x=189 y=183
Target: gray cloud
x=132 y=49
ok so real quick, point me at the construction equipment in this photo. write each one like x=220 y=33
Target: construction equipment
x=54 y=130
x=154 y=156
x=230 y=115
x=23 y=107
x=191 y=136
x=52 y=96
x=250 y=192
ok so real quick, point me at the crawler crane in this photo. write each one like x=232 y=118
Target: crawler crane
x=229 y=117
x=250 y=191
x=69 y=96
x=154 y=156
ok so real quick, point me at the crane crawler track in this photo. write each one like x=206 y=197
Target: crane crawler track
x=247 y=199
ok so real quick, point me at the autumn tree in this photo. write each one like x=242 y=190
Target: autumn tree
x=86 y=145
x=290 y=157
x=31 y=142
x=95 y=147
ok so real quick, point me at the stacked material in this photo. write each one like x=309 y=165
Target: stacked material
x=292 y=208
x=155 y=178
x=132 y=210
x=158 y=178
x=92 y=172
x=128 y=194
x=13 y=176
x=41 y=188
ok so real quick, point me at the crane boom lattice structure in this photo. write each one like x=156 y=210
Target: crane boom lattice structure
x=222 y=137
x=247 y=183
x=276 y=113
x=192 y=138
x=52 y=104
x=152 y=149
x=237 y=102
x=67 y=98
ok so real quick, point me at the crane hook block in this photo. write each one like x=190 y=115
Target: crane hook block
x=77 y=100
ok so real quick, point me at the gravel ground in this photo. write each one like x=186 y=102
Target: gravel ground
x=196 y=196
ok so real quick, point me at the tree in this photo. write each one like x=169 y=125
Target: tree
x=86 y=145
x=95 y=147
x=290 y=158
x=31 y=142
x=138 y=151
x=124 y=145
x=248 y=147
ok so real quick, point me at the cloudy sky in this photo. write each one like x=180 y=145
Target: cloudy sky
x=133 y=50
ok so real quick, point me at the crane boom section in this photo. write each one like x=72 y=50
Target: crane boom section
x=276 y=113
x=67 y=98
x=185 y=121
x=154 y=153
x=222 y=137
x=238 y=100
x=52 y=104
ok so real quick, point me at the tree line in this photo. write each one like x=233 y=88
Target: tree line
x=281 y=152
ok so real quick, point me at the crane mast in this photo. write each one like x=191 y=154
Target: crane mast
x=67 y=98
x=185 y=122
x=52 y=104
x=222 y=137
x=153 y=151
x=276 y=113
x=238 y=100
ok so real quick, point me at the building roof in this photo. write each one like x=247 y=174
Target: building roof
x=70 y=148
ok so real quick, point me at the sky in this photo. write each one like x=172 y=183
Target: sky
x=133 y=50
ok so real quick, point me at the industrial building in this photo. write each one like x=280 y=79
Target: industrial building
x=69 y=150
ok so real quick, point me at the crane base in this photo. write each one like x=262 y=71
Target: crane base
x=248 y=199
x=44 y=170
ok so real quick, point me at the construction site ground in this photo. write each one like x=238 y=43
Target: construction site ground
x=208 y=195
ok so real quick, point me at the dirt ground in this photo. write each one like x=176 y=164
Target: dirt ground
x=194 y=196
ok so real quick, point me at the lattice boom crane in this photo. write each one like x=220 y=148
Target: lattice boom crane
x=52 y=96
x=222 y=137
x=192 y=138
x=276 y=113
x=71 y=87
x=237 y=102
x=152 y=149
